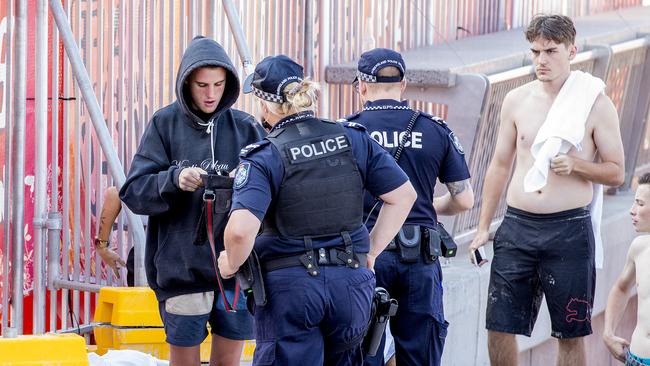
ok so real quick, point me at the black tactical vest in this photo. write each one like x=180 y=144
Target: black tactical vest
x=322 y=190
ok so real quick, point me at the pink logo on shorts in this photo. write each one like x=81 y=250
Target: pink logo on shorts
x=578 y=311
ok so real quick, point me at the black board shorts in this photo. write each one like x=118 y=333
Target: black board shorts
x=537 y=255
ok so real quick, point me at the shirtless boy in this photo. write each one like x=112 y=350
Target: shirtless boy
x=636 y=270
x=545 y=244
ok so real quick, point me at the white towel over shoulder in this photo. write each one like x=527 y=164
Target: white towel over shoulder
x=564 y=126
x=563 y=129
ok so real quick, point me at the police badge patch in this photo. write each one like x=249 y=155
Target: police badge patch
x=456 y=142
x=241 y=177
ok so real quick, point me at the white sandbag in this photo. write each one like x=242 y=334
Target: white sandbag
x=125 y=358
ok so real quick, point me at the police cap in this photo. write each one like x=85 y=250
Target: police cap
x=272 y=75
x=376 y=59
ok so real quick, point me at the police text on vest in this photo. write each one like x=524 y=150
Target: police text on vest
x=317 y=149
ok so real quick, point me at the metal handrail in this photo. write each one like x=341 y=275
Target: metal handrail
x=528 y=69
x=18 y=169
x=97 y=118
x=240 y=39
x=40 y=169
x=630 y=45
x=4 y=322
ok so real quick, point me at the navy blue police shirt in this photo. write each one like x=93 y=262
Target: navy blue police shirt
x=431 y=152
x=261 y=172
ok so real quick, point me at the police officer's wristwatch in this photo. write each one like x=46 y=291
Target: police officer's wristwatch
x=101 y=244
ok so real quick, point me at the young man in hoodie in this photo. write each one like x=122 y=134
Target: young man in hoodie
x=197 y=133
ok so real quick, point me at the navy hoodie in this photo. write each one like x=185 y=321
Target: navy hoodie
x=178 y=137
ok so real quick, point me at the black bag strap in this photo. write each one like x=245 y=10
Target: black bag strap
x=409 y=129
x=209 y=198
x=398 y=152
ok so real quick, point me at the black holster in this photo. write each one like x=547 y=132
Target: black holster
x=383 y=307
x=251 y=282
x=431 y=245
x=408 y=243
x=447 y=243
x=414 y=241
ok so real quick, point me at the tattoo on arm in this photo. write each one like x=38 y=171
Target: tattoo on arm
x=457 y=187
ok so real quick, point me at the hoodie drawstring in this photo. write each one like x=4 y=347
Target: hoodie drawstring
x=209 y=130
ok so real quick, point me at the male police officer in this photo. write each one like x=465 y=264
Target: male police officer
x=306 y=182
x=431 y=151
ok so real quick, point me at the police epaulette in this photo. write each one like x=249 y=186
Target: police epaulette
x=349 y=118
x=355 y=125
x=252 y=147
x=436 y=119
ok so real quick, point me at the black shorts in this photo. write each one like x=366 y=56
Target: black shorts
x=542 y=254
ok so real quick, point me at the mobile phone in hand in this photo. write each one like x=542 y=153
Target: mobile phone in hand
x=479 y=257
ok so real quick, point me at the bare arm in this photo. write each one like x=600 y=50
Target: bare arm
x=498 y=172
x=616 y=302
x=111 y=208
x=393 y=213
x=239 y=238
x=459 y=198
x=607 y=138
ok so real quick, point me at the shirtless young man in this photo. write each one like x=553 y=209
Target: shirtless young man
x=637 y=267
x=545 y=243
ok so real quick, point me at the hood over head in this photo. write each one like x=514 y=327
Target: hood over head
x=202 y=52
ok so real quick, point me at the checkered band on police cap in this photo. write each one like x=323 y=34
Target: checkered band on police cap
x=271 y=77
x=365 y=77
x=267 y=96
x=376 y=59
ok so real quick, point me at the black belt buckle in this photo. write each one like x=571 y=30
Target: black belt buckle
x=323 y=257
x=337 y=257
x=208 y=195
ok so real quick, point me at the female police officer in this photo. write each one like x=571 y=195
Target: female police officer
x=306 y=182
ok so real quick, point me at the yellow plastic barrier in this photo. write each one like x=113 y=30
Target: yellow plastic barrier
x=249 y=349
x=46 y=349
x=129 y=319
